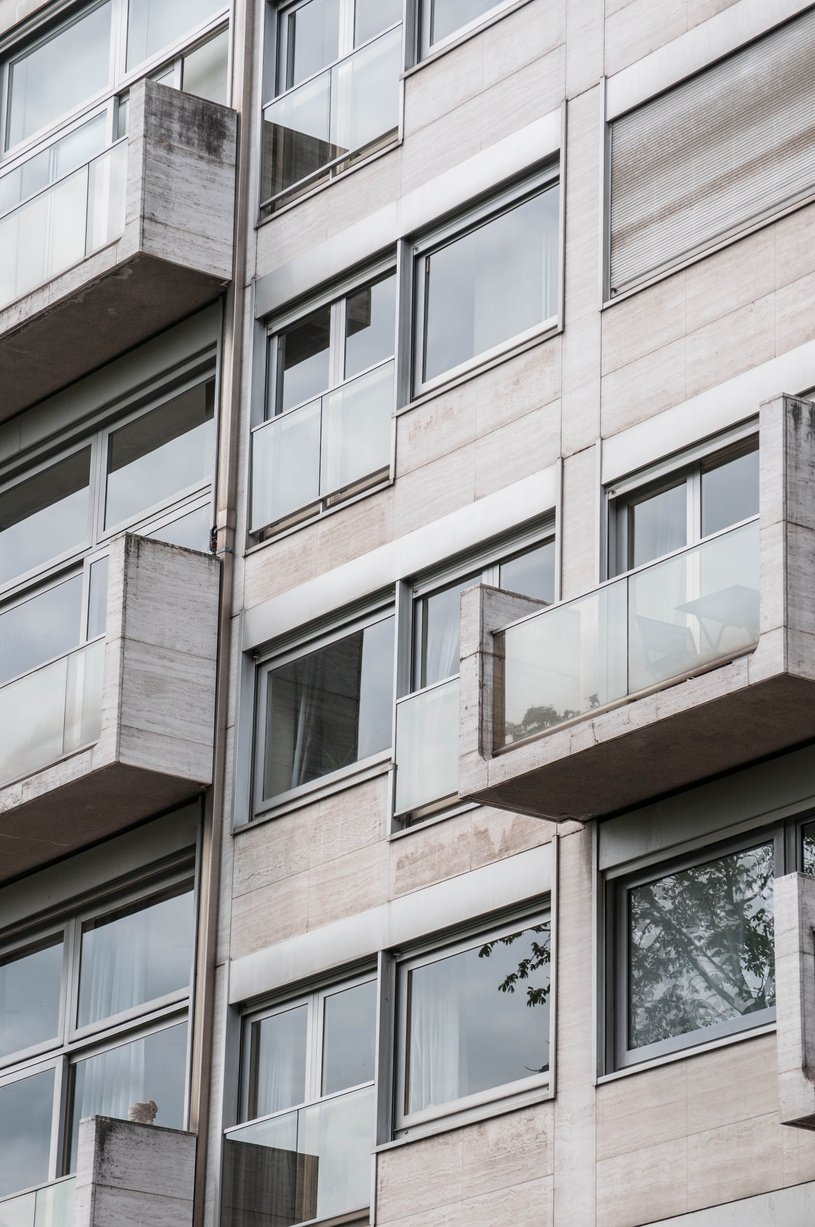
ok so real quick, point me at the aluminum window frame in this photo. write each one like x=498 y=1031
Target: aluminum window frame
x=331 y=632
x=468 y=222
x=74 y=1044
x=334 y=299
x=434 y=951
x=427 y=50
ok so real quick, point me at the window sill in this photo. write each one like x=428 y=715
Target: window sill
x=457 y=39
x=471 y=1116
x=308 y=193
x=317 y=517
x=480 y=368
x=320 y=789
x=683 y=1054
x=452 y=810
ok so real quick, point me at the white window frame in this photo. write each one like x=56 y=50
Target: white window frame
x=73 y=1044
x=405 y=1122
x=363 y=768
x=459 y=227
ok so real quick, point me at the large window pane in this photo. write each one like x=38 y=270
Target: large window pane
x=136 y=956
x=447 y=16
x=53 y=78
x=329 y=709
x=369 y=325
x=700 y=946
x=729 y=493
x=25 y=1131
x=438 y=653
x=478 y=1019
x=304 y=360
x=492 y=284
x=374 y=16
x=153 y=1067
x=160 y=454
x=532 y=573
x=658 y=525
x=153 y=24
x=29 y=998
x=279 y=1061
x=41 y=628
x=45 y=516
x=348 y=1037
x=205 y=69
x=311 y=38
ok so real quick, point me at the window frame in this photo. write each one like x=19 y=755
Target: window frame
x=427 y=50
x=289 y=651
x=685 y=469
x=465 y=223
x=434 y=951
x=334 y=299
x=274 y=70
x=73 y=1044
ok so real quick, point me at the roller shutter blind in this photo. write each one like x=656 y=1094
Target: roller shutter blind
x=721 y=151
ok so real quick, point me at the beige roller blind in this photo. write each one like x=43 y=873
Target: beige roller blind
x=720 y=151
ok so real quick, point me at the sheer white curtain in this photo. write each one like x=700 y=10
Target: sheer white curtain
x=436 y=1052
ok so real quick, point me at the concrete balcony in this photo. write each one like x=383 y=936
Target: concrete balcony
x=119 y=249
x=122 y=727
x=692 y=666
x=126 y=1173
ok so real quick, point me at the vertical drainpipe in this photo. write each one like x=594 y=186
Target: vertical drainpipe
x=241 y=30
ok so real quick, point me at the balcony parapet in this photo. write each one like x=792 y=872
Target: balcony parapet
x=121 y=248
x=653 y=704
x=122 y=728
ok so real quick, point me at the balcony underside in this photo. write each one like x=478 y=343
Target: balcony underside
x=665 y=741
x=56 y=812
x=89 y=315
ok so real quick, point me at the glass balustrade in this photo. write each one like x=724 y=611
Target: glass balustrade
x=63 y=224
x=322 y=447
x=427 y=746
x=51 y=711
x=343 y=110
x=665 y=621
x=311 y=1163
x=49 y=1206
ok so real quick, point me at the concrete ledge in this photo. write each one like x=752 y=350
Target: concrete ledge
x=795 y=998
x=129 y=1175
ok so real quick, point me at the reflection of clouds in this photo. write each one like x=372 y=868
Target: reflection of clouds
x=29 y=990
x=41 y=628
x=43 y=535
x=159 y=474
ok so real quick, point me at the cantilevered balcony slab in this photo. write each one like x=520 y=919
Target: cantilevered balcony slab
x=121 y=728
x=120 y=249
x=608 y=700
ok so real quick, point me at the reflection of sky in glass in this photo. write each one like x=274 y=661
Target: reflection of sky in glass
x=153 y=24
x=56 y=76
x=729 y=493
x=531 y=574
x=137 y=957
x=348 y=1037
x=304 y=360
x=160 y=454
x=374 y=16
x=280 y=1063
x=46 y=626
x=154 y=1068
x=25 y=1131
x=466 y=1033
x=369 y=325
x=190 y=530
x=45 y=516
x=451 y=15
x=29 y=999
x=313 y=39
x=376 y=688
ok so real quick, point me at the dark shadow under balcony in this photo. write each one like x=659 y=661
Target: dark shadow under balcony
x=689 y=667
x=120 y=248
x=121 y=727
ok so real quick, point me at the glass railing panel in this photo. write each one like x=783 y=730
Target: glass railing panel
x=693 y=609
x=285 y=464
x=50 y=1206
x=427 y=746
x=564 y=662
x=312 y=1163
x=51 y=711
x=49 y=233
x=345 y=108
x=357 y=429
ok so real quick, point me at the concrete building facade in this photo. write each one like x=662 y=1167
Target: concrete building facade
x=407 y=540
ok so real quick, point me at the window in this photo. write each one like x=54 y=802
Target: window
x=324 y=709
x=442 y=20
x=427 y=717
x=718 y=154
x=487 y=283
x=151 y=474
x=308 y=1094
x=332 y=74
x=328 y=431
x=474 y=1022
x=93 y=1018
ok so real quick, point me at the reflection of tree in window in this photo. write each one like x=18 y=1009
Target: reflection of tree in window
x=701 y=946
